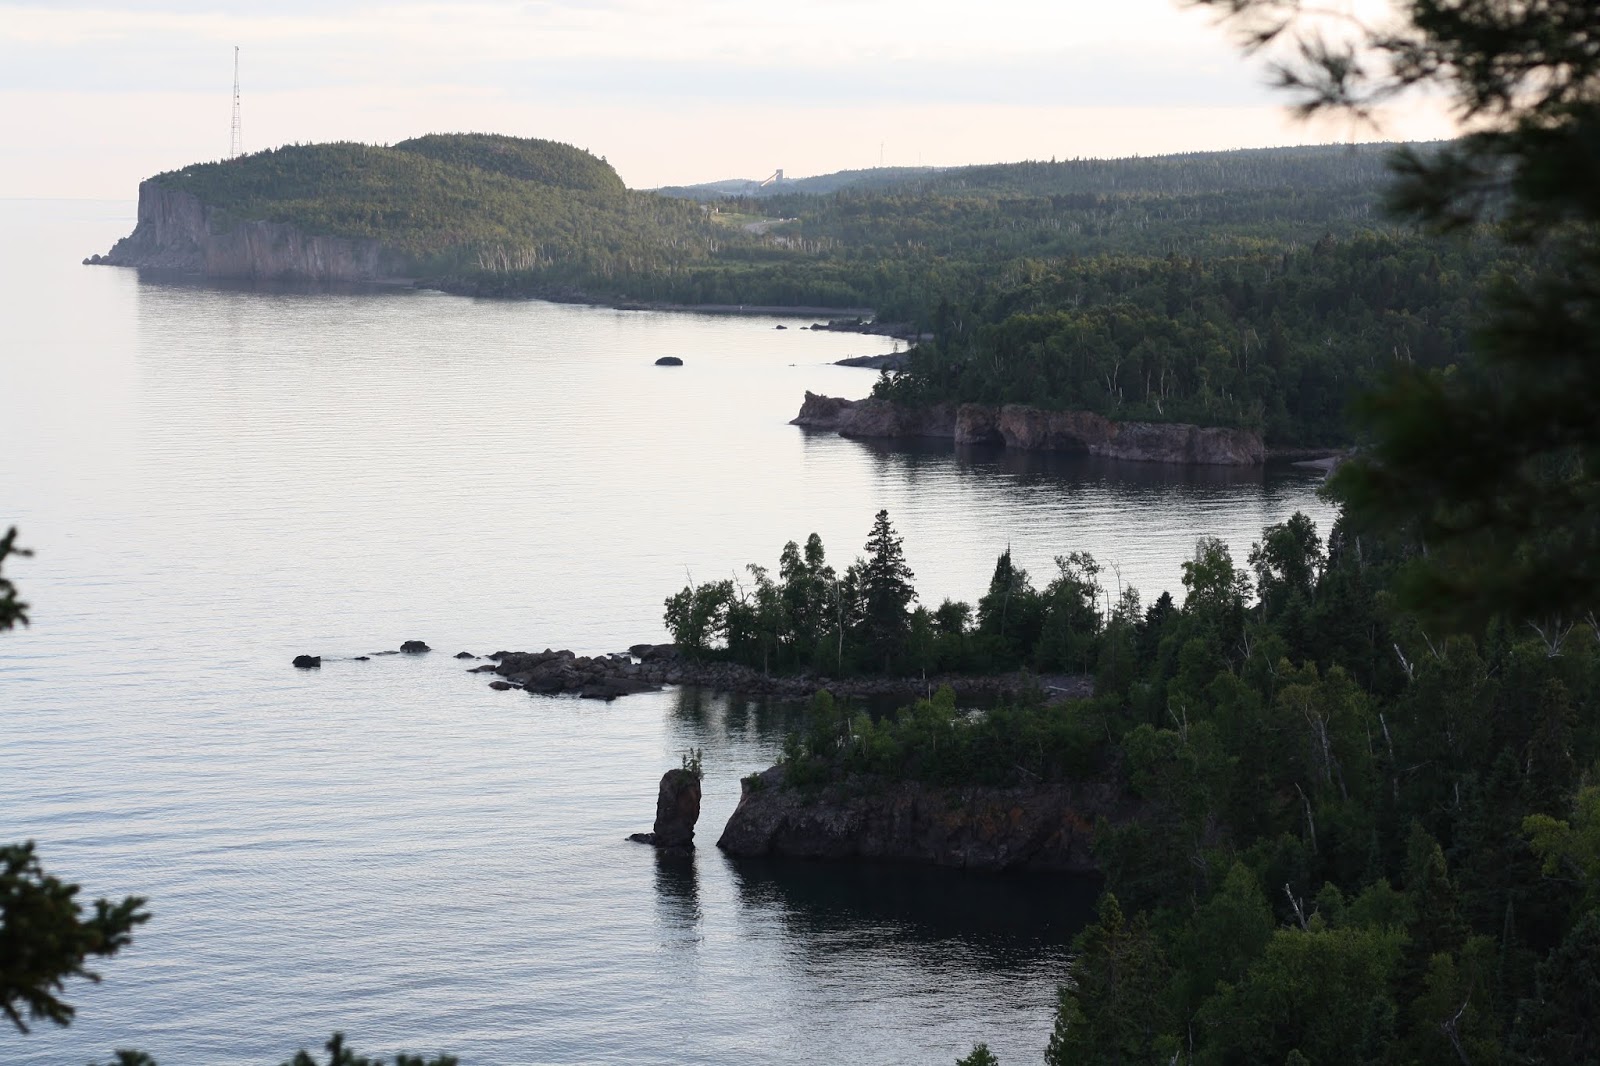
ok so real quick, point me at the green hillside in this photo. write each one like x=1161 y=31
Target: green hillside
x=460 y=203
x=544 y=162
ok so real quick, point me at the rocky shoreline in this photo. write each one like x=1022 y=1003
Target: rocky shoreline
x=651 y=667
x=1043 y=827
x=1034 y=429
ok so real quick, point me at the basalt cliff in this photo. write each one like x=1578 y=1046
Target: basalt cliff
x=177 y=232
x=1044 y=827
x=1033 y=429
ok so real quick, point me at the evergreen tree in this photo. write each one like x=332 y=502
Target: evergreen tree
x=886 y=592
x=1114 y=1008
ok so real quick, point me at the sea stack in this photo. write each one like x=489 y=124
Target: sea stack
x=677 y=810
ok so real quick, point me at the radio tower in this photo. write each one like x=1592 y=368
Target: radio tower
x=236 y=142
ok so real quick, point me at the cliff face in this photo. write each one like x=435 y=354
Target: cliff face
x=1049 y=827
x=175 y=231
x=1033 y=429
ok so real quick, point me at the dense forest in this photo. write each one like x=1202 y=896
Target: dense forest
x=1360 y=839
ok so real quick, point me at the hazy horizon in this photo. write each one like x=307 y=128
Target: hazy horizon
x=97 y=96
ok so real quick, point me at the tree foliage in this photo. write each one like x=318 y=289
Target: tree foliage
x=1494 y=463
x=46 y=939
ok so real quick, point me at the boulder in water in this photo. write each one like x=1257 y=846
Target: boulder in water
x=669 y=360
x=415 y=647
x=307 y=662
x=677 y=810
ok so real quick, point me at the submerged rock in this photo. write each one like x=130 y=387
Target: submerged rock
x=465 y=655
x=677 y=811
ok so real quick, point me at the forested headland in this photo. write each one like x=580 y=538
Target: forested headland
x=1361 y=836
x=1258 y=289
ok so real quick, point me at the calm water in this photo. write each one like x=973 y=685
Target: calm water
x=216 y=480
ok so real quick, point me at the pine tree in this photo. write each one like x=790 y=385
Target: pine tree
x=886 y=592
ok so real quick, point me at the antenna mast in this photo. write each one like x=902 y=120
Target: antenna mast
x=236 y=142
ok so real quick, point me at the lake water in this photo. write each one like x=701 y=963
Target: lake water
x=217 y=479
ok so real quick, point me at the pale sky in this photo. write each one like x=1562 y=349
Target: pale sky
x=95 y=96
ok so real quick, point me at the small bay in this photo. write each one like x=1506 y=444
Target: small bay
x=218 y=478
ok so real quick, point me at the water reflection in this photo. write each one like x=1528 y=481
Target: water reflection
x=998 y=920
x=156 y=278
x=710 y=719
x=908 y=458
x=678 y=897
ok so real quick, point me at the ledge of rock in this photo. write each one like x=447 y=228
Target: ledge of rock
x=605 y=677
x=1045 y=827
x=1034 y=429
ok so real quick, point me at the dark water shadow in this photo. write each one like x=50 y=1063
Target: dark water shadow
x=156 y=278
x=912 y=457
x=703 y=715
x=678 y=891
x=999 y=920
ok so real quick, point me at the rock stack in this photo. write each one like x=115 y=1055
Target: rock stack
x=677 y=809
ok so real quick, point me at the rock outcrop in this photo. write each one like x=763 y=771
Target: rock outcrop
x=563 y=673
x=890 y=361
x=605 y=677
x=677 y=811
x=175 y=231
x=1034 y=429
x=821 y=412
x=1045 y=827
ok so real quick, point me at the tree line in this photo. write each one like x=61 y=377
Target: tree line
x=808 y=616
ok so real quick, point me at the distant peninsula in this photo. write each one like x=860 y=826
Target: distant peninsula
x=435 y=206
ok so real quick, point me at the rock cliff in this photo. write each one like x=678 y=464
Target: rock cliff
x=1046 y=827
x=1033 y=429
x=175 y=231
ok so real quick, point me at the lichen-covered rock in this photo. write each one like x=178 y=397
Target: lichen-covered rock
x=1044 y=827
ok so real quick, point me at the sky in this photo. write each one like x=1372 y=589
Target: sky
x=95 y=96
